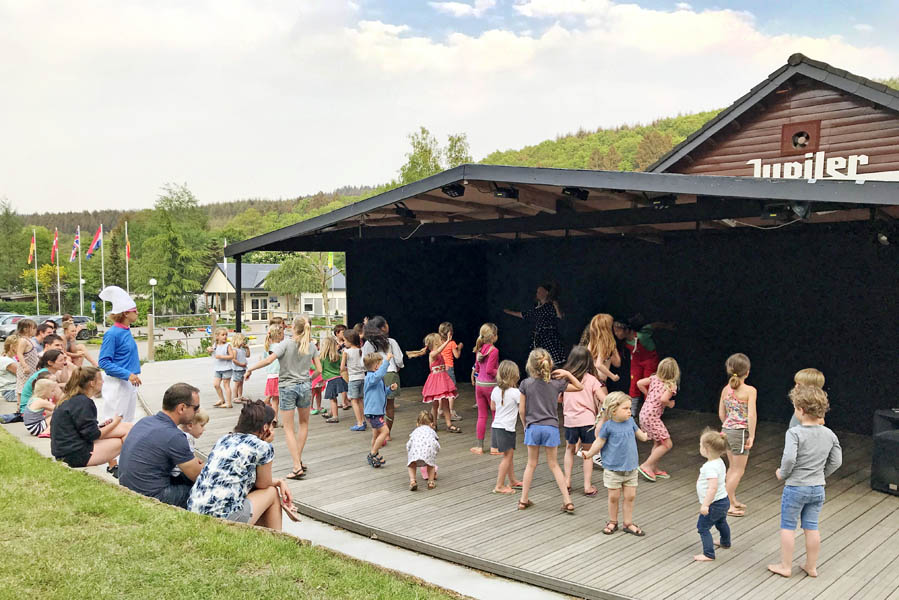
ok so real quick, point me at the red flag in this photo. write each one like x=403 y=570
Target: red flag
x=31 y=250
x=55 y=248
x=76 y=244
x=98 y=239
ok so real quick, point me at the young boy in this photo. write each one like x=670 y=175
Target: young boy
x=375 y=402
x=811 y=453
x=192 y=431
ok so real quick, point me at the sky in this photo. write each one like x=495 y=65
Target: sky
x=102 y=102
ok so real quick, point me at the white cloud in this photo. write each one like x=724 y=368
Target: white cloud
x=461 y=9
x=106 y=101
x=683 y=6
x=863 y=27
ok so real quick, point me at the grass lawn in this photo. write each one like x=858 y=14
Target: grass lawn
x=66 y=534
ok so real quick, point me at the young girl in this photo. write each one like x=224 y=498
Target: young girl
x=353 y=370
x=812 y=453
x=274 y=336
x=76 y=352
x=335 y=386
x=710 y=488
x=812 y=377
x=37 y=415
x=579 y=410
x=26 y=354
x=600 y=341
x=736 y=409
x=451 y=352
x=422 y=449
x=504 y=400
x=537 y=410
x=223 y=356
x=617 y=440
x=8 y=369
x=239 y=365
x=487 y=361
x=439 y=389
x=660 y=389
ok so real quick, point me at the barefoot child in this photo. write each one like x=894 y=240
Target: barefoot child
x=618 y=442
x=811 y=454
x=538 y=411
x=579 y=410
x=422 y=449
x=239 y=365
x=223 y=357
x=39 y=410
x=710 y=487
x=438 y=389
x=486 y=361
x=352 y=368
x=659 y=389
x=504 y=400
x=375 y=393
x=450 y=353
x=274 y=336
x=736 y=409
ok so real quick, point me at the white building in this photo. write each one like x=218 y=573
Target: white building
x=260 y=304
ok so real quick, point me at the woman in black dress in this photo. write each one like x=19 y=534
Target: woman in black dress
x=544 y=320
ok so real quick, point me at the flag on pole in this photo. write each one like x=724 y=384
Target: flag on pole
x=55 y=248
x=127 y=248
x=96 y=243
x=330 y=260
x=31 y=250
x=75 y=245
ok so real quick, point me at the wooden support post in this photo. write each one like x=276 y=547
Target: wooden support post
x=151 y=337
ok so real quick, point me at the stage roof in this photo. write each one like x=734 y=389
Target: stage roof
x=642 y=205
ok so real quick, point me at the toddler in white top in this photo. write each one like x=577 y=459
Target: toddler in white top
x=712 y=494
x=192 y=431
x=504 y=401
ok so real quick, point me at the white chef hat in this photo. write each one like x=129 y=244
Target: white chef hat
x=121 y=301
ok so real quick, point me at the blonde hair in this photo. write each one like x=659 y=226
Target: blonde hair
x=201 y=417
x=329 y=349
x=77 y=382
x=540 y=364
x=812 y=400
x=737 y=366
x=219 y=331
x=444 y=329
x=431 y=341
x=598 y=337
x=239 y=340
x=274 y=331
x=669 y=373
x=486 y=335
x=43 y=388
x=302 y=333
x=613 y=402
x=372 y=361
x=812 y=377
x=507 y=375
x=10 y=344
x=119 y=317
x=714 y=442
x=425 y=417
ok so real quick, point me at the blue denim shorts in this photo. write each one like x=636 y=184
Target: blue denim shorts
x=801 y=503
x=355 y=389
x=223 y=374
x=375 y=421
x=541 y=435
x=238 y=374
x=295 y=395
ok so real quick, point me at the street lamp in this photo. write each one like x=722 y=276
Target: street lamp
x=153 y=295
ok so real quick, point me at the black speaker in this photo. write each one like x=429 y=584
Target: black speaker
x=885 y=457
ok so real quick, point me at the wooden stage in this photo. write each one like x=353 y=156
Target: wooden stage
x=462 y=521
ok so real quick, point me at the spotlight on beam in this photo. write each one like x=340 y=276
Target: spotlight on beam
x=575 y=192
x=403 y=211
x=663 y=202
x=777 y=212
x=505 y=192
x=800 y=209
x=453 y=190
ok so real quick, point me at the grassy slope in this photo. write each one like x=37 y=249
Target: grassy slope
x=68 y=535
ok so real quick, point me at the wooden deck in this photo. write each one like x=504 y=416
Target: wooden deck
x=463 y=522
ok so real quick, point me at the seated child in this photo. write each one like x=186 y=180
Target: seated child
x=422 y=449
x=712 y=493
x=41 y=404
x=193 y=431
x=375 y=403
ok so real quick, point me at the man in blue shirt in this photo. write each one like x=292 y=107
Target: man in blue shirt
x=155 y=446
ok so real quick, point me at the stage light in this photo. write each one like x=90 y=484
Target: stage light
x=403 y=211
x=453 y=190
x=663 y=202
x=883 y=239
x=505 y=192
x=575 y=192
x=800 y=209
x=776 y=212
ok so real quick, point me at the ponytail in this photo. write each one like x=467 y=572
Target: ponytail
x=302 y=333
x=737 y=367
x=77 y=382
x=540 y=364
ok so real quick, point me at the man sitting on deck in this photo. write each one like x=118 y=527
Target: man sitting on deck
x=156 y=445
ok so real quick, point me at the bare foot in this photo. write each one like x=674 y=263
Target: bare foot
x=702 y=558
x=389 y=439
x=809 y=572
x=740 y=505
x=477 y=450
x=781 y=570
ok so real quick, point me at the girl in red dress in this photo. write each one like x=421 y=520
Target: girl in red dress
x=439 y=390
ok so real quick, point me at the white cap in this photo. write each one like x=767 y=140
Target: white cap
x=121 y=301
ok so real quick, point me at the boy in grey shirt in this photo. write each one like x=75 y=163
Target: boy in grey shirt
x=811 y=453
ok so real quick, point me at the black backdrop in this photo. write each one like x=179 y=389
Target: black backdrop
x=803 y=296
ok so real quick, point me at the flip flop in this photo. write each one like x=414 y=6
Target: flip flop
x=646 y=475
x=662 y=475
x=517 y=486
x=496 y=491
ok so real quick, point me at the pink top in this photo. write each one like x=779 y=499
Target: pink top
x=488 y=364
x=736 y=412
x=579 y=408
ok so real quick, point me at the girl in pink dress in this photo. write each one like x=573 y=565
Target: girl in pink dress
x=660 y=389
x=439 y=389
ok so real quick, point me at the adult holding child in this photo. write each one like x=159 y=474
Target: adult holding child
x=295 y=357
x=119 y=358
x=544 y=320
x=236 y=482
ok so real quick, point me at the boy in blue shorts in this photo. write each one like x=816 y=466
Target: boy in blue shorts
x=375 y=402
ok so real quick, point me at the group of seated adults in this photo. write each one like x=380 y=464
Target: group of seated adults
x=235 y=483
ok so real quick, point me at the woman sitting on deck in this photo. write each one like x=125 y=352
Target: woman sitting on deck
x=236 y=482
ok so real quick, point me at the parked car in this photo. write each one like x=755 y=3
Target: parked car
x=8 y=324
x=81 y=322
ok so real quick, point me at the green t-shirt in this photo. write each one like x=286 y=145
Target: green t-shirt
x=28 y=389
x=330 y=370
x=644 y=336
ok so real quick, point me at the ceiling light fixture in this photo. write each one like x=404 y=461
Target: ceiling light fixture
x=453 y=190
x=576 y=192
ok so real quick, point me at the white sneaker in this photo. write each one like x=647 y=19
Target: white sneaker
x=597 y=460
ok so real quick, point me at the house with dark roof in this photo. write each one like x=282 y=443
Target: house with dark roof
x=260 y=304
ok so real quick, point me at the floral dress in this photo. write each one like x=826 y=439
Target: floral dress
x=422 y=447
x=651 y=412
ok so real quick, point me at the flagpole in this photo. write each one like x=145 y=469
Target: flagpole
x=102 y=272
x=127 y=260
x=56 y=254
x=37 y=295
x=80 y=278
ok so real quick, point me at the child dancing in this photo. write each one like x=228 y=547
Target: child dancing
x=660 y=389
x=335 y=386
x=274 y=336
x=486 y=361
x=579 y=410
x=375 y=392
x=736 y=409
x=353 y=370
x=504 y=401
x=538 y=411
x=812 y=377
x=438 y=390
x=422 y=448
x=710 y=487
x=618 y=442
x=811 y=454
x=600 y=341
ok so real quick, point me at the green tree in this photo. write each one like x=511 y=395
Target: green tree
x=457 y=151
x=423 y=160
x=604 y=161
x=14 y=243
x=651 y=148
x=46 y=278
x=306 y=272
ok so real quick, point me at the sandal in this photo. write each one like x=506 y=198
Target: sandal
x=517 y=486
x=332 y=420
x=297 y=474
x=524 y=505
x=218 y=405
x=432 y=484
x=591 y=494
x=496 y=491
x=568 y=508
x=453 y=429
x=635 y=531
x=610 y=528
x=662 y=475
x=413 y=486
x=646 y=475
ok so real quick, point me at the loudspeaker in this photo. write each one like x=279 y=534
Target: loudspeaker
x=885 y=462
